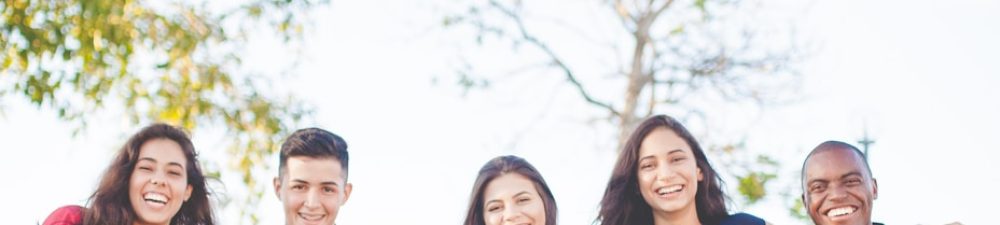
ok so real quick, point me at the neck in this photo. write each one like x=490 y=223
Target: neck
x=137 y=222
x=684 y=216
x=141 y=223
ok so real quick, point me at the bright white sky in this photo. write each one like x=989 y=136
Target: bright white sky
x=922 y=74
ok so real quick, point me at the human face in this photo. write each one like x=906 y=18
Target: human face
x=512 y=199
x=158 y=185
x=668 y=172
x=839 y=190
x=312 y=190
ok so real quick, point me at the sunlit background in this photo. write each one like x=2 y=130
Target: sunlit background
x=919 y=77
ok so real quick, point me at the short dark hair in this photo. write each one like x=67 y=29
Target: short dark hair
x=505 y=165
x=313 y=143
x=830 y=145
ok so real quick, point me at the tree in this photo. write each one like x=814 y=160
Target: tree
x=176 y=62
x=668 y=56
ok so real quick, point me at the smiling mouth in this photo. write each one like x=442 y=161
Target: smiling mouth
x=663 y=191
x=842 y=211
x=155 y=198
x=312 y=217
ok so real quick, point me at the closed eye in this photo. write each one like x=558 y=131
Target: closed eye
x=678 y=159
x=816 y=188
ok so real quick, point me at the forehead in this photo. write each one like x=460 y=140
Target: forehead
x=162 y=150
x=662 y=140
x=508 y=185
x=313 y=169
x=834 y=162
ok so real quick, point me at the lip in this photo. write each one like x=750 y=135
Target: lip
x=310 y=218
x=657 y=191
x=152 y=204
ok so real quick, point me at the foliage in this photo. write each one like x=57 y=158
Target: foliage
x=172 y=61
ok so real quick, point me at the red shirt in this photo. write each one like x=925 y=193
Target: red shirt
x=66 y=215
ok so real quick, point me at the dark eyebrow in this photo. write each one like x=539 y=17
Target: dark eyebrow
x=321 y=183
x=668 y=153
x=497 y=200
x=852 y=173
x=148 y=159
x=154 y=161
x=817 y=180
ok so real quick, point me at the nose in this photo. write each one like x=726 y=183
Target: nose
x=312 y=199
x=157 y=179
x=665 y=172
x=511 y=213
x=837 y=193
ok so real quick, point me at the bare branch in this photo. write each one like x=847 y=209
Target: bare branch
x=628 y=20
x=556 y=61
x=662 y=8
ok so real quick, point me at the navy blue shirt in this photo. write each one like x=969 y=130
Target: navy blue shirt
x=742 y=219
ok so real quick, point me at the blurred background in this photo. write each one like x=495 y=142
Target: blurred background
x=425 y=92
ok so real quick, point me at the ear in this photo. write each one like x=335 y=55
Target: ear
x=347 y=192
x=804 y=202
x=874 y=188
x=700 y=176
x=187 y=192
x=277 y=187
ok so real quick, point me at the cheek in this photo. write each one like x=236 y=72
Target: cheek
x=179 y=187
x=861 y=194
x=136 y=181
x=331 y=203
x=691 y=169
x=491 y=218
x=814 y=202
x=538 y=212
x=644 y=179
x=291 y=199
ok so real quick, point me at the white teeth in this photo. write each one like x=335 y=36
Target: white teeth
x=840 y=211
x=669 y=189
x=155 y=197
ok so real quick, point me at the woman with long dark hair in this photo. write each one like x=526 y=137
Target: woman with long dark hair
x=154 y=179
x=663 y=177
x=509 y=190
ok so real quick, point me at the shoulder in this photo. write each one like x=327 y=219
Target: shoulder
x=66 y=215
x=742 y=219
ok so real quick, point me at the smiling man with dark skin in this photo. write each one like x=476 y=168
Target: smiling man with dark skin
x=838 y=187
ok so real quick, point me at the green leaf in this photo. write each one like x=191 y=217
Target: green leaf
x=677 y=30
x=752 y=186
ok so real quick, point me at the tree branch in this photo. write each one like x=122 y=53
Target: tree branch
x=555 y=59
